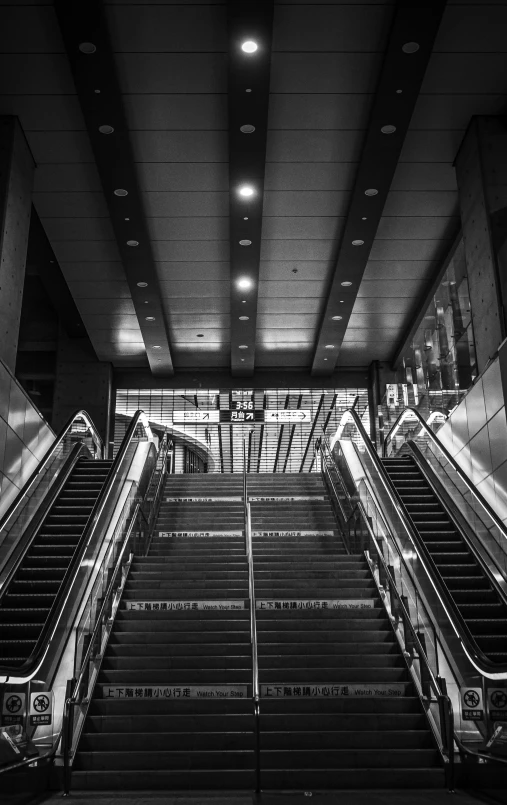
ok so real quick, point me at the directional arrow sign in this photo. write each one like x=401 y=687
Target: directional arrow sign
x=288 y=416
x=199 y=415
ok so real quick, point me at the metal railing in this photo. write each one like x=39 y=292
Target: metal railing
x=253 y=623
x=472 y=650
x=417 y=640
x=151 y=505
x=78 y=434
x=81 y=621
x=462 y=490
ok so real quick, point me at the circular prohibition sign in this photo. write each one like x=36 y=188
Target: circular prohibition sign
x=471 y=698
x=13 y=704
x=499 y=699
x=41 y=703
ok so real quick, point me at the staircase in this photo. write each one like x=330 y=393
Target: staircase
x=149 y=726
x=482 y=609
x=27 y=602
x=180 y=741
x=338 y=708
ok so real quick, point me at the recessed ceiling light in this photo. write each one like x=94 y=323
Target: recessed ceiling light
x=246 y=191
x=346 y=284
x=325 y=359
x=157 y=346
x=245 y=219
x=245 y=283
x=337 y=318
x=243 y=360
x=364 y=218
x=399 y=91
x=200 y=335
x=248 y=90
x=127 y=219
x=249 y=46
x=142 y=284
x=372 y=191
x=97 y=91
x=388 y=129
x=243 y=346
x=358 y=242
x=132 y=243
x=329 y=346
x=243 y=301
x=121 y=192
x=87 y=47
x=410 y=47
x=245 y=243
x=341 y=301
x=247 y=128
x=150 y=318
x=244 y=318
x=106 y=129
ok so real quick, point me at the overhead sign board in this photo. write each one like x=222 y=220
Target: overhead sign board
x=199 y=415
x=286 y=415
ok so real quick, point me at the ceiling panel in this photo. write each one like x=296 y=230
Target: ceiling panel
x=172 y=72
x=186 y=204
x=305 y=203
x=97 y=271
x=319 y=111
x=203 y=288
x=421 y=203
x=314 y=27
x=433 y=111
x=324 y=72
x=193 y=271
x=271 y=321
x=424 y=176
x=44 y=113
x=407 y=249
x=199 y=111
x=188 y=250
x=291 y=288
x=399 y=269
x=296 y=249
x=156 y=28
x=393 y=289
x=100 y=290
x=300 y=227
x=190 y=228
x=309 y=176
x=313 y=146
x=419 y=227
x=270 y=338
x=280 y=305
x=196 y=177
x=282 y=270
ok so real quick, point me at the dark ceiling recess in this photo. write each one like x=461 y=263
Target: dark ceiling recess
x=86 y=39
x=249 y=73
x=41 y=257
x=408 y=51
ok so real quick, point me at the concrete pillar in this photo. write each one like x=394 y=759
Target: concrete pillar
x=82 y=382
x=16 y=184
x=481 y=172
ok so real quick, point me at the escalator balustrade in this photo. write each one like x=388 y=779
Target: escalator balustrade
x=27 y=602
x=480 y=605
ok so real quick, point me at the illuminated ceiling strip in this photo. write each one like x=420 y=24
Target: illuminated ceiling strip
x=249 y=74
x=99 y=93
x=411 y=39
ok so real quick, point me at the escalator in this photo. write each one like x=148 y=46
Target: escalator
x=468 y=587
x=30 y=594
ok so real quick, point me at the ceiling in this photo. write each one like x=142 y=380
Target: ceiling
x=169 y=69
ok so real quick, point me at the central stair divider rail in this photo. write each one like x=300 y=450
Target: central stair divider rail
x=253 y=624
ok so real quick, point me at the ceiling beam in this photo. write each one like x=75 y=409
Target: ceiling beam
x=249 y=75
x=410 y=43
x=86 y=38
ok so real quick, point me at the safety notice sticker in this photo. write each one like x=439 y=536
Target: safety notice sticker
x=331 y=691
x=279 y=499
x=497 y=704
x=178 y=606
x=201 y=500
x=41 y=708
x=292 y=533
x=13 y=708
x=175 y=692
x=199 y=534
x=310 y=603
x=472 y=708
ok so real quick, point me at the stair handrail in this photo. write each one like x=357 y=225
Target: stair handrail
x=156 y=498
x=475 y=655
x=22 y=494
x=359 y=506
x=44 y=640
x=414 y=413
x=253 y=620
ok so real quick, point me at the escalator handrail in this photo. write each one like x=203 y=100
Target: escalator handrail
x=462 y=474
x=472 y=650
x=44 y=639
x=81 y=414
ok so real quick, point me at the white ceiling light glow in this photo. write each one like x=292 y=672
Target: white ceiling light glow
x=337 y=318
x=244 y=283
x=358 y=242
x=346 y=284
x=142 y=284
x=246 y=191
x=249 y=46
x=132 y=243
